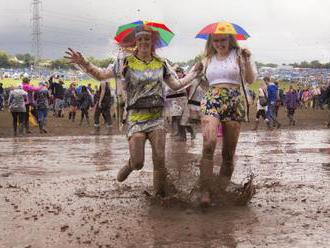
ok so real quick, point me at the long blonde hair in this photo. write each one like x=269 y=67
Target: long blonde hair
x=209 y=50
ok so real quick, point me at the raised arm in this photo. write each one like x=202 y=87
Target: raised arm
x=77 y=59
x=250 y=70
x=177 y=84
x=28 y=87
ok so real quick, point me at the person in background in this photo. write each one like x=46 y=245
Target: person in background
x=58 y=92
x=91 y=92
x=183 y=120
x=306 y=98
x=84 y=103
x=261 y=105
x=42 y=99
x=16 y=103
x=29 y=100
x=323 y=90
x=279 y=99
x=1 y=96
x=281 y=95
x=90 y=89
x=326 y=99
x=291 y=103
x=102 y=106
x=174 y=107
x=271 y=103
x=71 y=99
x=316 y=92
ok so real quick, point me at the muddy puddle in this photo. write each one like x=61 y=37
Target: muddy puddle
x=62 y=192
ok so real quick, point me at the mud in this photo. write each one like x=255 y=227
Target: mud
x=62 y=192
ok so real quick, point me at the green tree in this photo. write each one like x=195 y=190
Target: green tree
x=27 y=59
x=259 y=64
x=61 y=64
x=315 y=64
x=106 y=62
x=4 y=60
x=304 y=64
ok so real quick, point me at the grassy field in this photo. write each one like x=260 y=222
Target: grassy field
x=9 y=82
x=306 y=119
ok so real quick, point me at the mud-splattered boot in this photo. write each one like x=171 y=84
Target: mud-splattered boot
x=40 y=127
x=226 y=172
x=108 y=129
x=269 y=126
x=206 y=173
x=124 y=172
x=192 y=132
x=96 y=130
x=159 y=180
x=255 y=126
x=21 y=129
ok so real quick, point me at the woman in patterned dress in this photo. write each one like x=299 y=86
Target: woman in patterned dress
x=143 y=75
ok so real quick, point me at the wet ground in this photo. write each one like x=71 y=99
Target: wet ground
x=62 y=192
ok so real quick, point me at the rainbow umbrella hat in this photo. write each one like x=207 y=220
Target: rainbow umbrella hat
x=125 y=33
x=223 y=27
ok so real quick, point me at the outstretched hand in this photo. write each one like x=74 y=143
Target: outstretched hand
x=198 y=68
x=75 y=57
x=246 y=54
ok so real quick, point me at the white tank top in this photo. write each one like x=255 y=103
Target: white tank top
x=223 y=71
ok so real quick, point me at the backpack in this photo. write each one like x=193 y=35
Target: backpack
x=263 y=100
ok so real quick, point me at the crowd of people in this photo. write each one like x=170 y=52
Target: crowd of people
x=28 y=103
x=271 y=98
x=52 y=96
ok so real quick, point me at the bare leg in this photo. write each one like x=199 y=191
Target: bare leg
x=230 y=138
x=191 y=130
x=136 y=145
x=256 y=125
x=209 y=128
x=158 y=139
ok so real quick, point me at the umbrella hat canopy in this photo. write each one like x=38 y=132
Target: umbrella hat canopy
x=125 y=34
x=223 y=27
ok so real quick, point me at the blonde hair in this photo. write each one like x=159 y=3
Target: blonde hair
x=210 y=51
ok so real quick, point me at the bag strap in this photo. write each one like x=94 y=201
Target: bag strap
x=265 y=95
x=263 y=91
x=240 y=65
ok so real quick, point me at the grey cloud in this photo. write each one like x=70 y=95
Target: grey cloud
x=281 y=31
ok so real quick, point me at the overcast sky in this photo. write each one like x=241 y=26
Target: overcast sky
x=281 y=31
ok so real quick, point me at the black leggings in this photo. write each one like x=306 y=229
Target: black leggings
x=20 y=116
x=84 y=113
x=26 y=116
x=105 y=113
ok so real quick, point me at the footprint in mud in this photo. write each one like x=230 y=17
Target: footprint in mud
x=6 y=174
x=326 y=166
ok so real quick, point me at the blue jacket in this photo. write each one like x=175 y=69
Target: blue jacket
x=271 y=92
